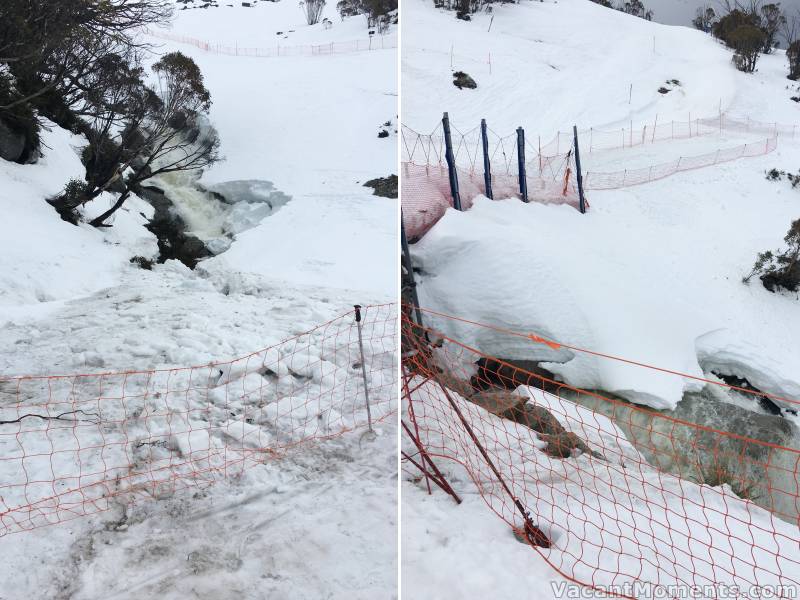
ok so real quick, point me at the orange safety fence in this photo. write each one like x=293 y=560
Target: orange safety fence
x=74 y=445
x=632 y=135
x=549 y=167
x=594 y=180
x=425 y=180
x=617 y=497
x=426 y=193
x=452 y=56
x=376 y=42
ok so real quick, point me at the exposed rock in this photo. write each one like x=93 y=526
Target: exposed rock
x=461 y=80
x=565 y=444
x=385 y=187
x=560 y=442
x=510 y=374
x=12 y=145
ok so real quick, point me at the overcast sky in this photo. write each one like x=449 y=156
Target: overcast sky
x=681 y=12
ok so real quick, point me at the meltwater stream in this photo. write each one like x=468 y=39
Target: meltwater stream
x=760 y=461
x=216 y=214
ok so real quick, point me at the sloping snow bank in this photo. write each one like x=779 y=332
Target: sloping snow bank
x=44 y=259
x=643 y=275
x=724 y=353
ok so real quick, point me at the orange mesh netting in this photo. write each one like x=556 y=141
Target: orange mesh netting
x=377 y=42
x=615 y=496
x=549 y=166
x=71 y=445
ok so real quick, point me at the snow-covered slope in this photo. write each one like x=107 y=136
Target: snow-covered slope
x=309 y=125
x=72 y=302
x=651 y=273
x=555 y=64
x=43 y=259
x=650 y=270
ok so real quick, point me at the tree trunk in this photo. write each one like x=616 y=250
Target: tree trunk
x=100 y=221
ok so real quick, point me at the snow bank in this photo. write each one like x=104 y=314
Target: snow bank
x=643 y=275
x=42 y=258
x=723 y=352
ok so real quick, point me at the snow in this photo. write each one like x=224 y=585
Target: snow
x=591 y=509
x=299 y=136
x=320 y=158
x=31 y=272
x=651 y=273
x=596 y=281
x=266 y=24
x=677 y=248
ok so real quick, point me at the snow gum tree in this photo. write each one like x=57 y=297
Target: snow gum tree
x=50 y=50
x=793 y=54
x=747 y=42
x=704 y=18
x=780 y=268
x=772 y=20
x=165 y=132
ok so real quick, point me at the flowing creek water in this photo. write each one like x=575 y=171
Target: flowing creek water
x=193 y=222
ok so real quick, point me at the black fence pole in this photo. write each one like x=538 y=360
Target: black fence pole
x=523 y=182
x=451 y=163
x=579 y=175
x=487 y=167
x=535 y=536
x=409 y=282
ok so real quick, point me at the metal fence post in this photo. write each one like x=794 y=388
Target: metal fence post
x=406 y=262
x=451 y=162
x=540 y=156
x=363 y=363
x=487 y=167
x=579 y=175
x=523 y=182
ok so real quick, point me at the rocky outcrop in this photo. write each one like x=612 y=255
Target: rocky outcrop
x=384 y=186
x=560 y=443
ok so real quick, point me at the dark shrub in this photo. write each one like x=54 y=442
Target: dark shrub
x=780 y=269
x=142 y=263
